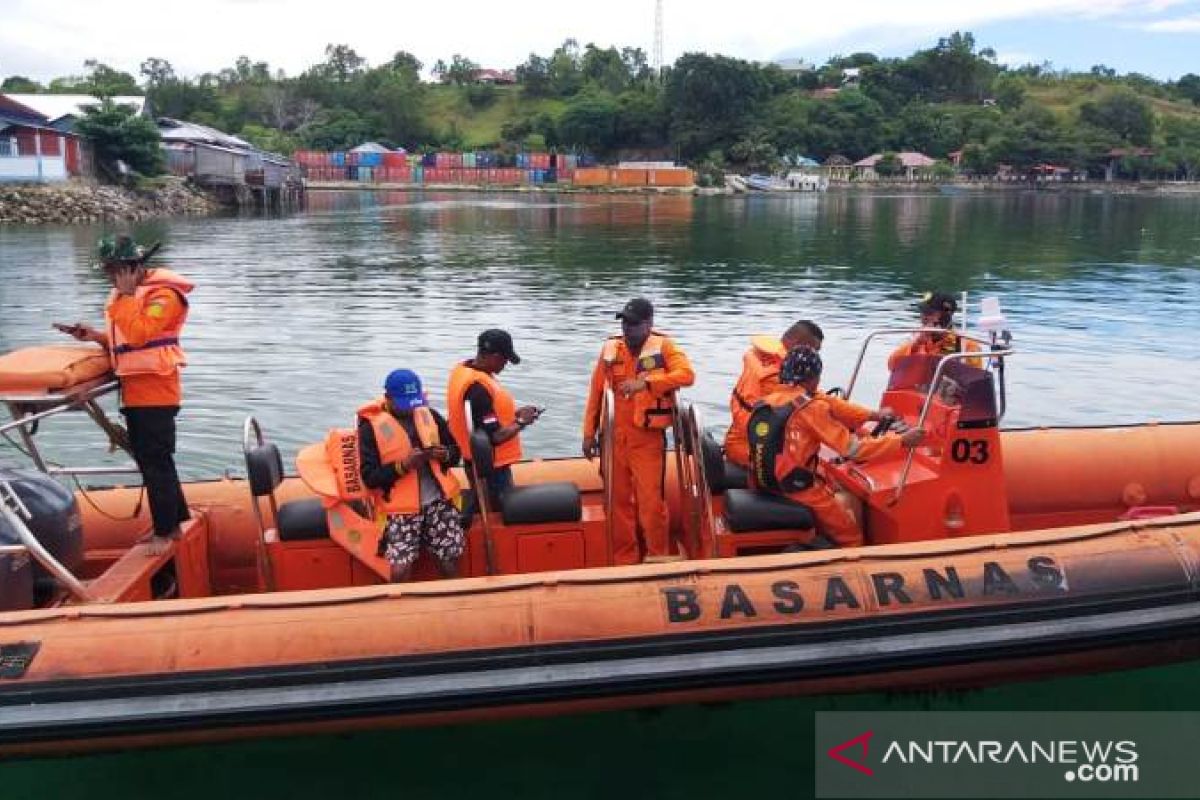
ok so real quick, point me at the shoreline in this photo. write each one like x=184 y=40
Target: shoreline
x=878 y=189
x=83 y=203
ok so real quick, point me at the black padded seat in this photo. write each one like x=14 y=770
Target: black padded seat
x=302 y=520
x=543 y=502
x=747 y=511
x=721 y=474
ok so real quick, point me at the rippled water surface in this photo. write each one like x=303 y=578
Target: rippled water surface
x=296 y=320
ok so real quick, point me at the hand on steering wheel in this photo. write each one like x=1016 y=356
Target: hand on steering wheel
x=884 y=425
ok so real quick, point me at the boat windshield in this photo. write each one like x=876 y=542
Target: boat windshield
x=970 y=388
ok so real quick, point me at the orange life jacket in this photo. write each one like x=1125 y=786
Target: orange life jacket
x=394 y=445
x=760 y=377
x=462 y=377
x=650 y=412
x=161 y=355
x=782 y=459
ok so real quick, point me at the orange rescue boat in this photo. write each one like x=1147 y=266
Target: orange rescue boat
x=992 y=556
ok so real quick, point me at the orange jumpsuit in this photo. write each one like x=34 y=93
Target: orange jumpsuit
x=759 y=378
x=825 y=420
x=639 y=453
x=949 y=343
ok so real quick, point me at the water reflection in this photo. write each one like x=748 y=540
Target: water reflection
x=298 y=319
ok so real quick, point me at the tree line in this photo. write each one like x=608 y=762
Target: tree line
x=712 y=111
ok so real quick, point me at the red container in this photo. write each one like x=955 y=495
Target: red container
x=393 y=160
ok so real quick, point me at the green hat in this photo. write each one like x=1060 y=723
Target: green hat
x=121 y=250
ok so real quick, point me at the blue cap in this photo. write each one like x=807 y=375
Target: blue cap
x=403 y=388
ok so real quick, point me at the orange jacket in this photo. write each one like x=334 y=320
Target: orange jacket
x=394 y=445
x=759 y=378
x=462 y=377
x=948 y=343
x=815 y=422
x=664 y=367
x=143 y=338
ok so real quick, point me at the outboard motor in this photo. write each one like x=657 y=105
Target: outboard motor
x=54 y=520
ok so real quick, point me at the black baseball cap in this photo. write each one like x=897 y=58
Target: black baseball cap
x=639 y=309
x=494 y=340
x=937 y=302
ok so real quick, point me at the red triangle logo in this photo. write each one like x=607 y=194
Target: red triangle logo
x=862 y=741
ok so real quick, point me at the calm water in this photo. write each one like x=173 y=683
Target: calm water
x=297 y=320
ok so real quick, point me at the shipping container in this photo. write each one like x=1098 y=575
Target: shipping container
x=671 y=177
x=592 y=176
x=628 y=177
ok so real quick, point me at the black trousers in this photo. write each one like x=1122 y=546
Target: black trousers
x=152 y=438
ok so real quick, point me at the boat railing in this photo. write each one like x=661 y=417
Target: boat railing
x=26 y=411
x=945 y=361
x=482 y=498
x=16 y=514
x=695 y=496
x=607 y=444
x=987 y=344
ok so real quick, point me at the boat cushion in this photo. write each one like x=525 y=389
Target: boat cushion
x=747 y=511
x=299 y=520
x=720 y=473
x=51 y=369
x=264 y=469
x=543 y=502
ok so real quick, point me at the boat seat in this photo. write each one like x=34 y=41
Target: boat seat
x=302 y=520
x=295 y=520
x=529 y=505
x=747 y=511
x=543 y=502
x=721 y=473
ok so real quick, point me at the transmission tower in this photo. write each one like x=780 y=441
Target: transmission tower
x=658 y=37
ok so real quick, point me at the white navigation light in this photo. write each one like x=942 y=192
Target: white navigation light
x=991 y=318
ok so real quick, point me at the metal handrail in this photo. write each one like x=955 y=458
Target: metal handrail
x=607 y=444
x=696 y=489
x=15 y=512
x=252 y=432
x=481 y=494
x=933 y=385
x=892 y=331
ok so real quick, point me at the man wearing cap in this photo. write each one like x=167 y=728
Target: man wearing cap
x=145 y=316
x=785 y=444
x=937 y=311
x=492 y=408
x=405 y=450
x=760 y=377
x=645 y=369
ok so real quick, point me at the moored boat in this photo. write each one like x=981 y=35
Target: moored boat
x=993 y=557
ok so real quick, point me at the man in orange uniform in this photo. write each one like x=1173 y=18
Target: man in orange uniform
x=937 y=311
x=145 y=315
x=492 y=409
x=759 y=378
x=405 y=451
x=784 y=447
x=644 y=369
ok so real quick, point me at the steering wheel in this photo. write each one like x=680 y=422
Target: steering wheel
x=883 y=426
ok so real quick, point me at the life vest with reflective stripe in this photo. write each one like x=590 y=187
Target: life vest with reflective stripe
x=462 y=377
x=163 y=354
x=394 y=445
x=782 y=458
x=650 y=412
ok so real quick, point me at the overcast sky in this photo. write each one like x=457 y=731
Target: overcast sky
x=48 y=38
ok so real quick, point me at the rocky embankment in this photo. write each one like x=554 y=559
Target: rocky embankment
x=76 y=203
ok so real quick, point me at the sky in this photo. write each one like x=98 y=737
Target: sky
x=43 y=39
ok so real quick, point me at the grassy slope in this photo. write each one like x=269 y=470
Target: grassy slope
x=481 y=127
x=1065 y=97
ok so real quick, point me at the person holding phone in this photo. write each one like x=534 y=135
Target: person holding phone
x=145 y=316
x=493 y=408
x=405 y=454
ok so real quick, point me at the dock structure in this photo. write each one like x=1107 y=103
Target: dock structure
x=236 y=171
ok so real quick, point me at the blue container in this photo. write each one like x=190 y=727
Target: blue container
x=418 y=174
x=522 y=161
x=370 y=159
x=365 y=174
